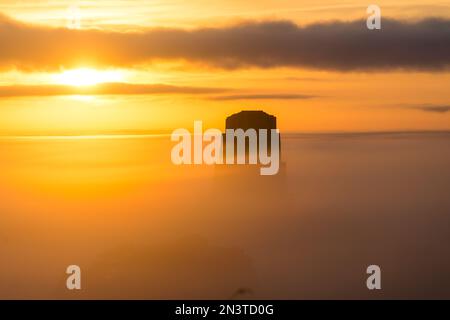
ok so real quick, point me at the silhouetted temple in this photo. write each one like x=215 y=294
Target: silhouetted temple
x=251 y=120
x=260 y=158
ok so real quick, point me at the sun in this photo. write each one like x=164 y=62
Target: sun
x=87 y=77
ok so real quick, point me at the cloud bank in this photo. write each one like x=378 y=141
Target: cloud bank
x=102 y=89
x=338 y=46
x=280 y=96
x=434 y=108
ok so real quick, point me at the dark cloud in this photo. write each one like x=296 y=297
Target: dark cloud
x=433 y=108
x=264 y=97
x=341 y=46
x=102 y=89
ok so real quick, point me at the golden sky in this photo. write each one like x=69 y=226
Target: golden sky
x=84 y=67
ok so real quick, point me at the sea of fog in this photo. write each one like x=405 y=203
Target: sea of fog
x=140 y=227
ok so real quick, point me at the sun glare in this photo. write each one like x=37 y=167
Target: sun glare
x=87 y=77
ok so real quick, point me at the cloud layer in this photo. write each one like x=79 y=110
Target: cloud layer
x=340 y=46
x=102 y=89
x=434 y=108
x=280 y=96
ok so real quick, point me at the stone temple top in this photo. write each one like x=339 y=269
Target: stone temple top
x=252 y=138
x=255 y=119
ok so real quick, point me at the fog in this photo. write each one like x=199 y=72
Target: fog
x=140 y=227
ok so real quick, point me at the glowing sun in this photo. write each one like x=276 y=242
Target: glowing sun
x=87 y=77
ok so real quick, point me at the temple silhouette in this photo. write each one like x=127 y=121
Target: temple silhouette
x=254 y=119
x=245 y=120
x=251 y=119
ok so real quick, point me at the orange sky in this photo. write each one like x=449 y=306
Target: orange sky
x=57 y=54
